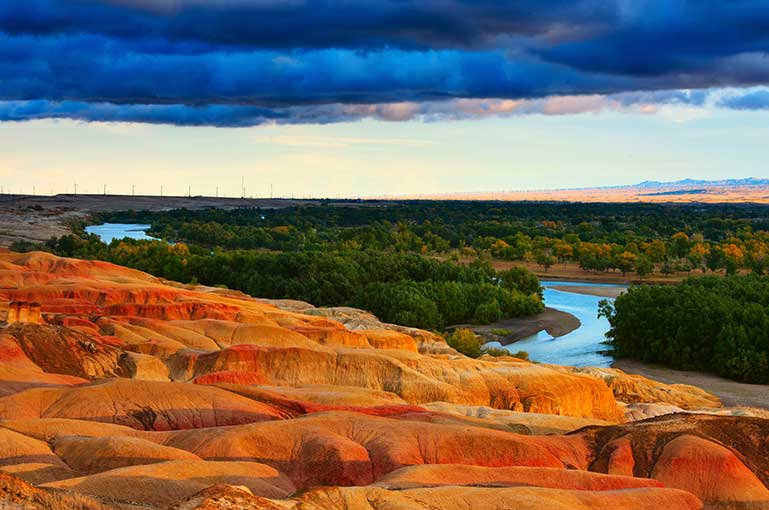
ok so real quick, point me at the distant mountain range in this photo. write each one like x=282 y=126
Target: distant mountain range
x=745 y=190
x=685 y=183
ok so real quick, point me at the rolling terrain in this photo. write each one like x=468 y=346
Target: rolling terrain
x=122 y=390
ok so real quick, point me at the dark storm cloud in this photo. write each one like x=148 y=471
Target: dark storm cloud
x=361 y=24
x=245 y=62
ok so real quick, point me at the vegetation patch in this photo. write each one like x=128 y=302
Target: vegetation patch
x=707 y=323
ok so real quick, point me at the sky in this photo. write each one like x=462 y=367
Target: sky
x=378 y=97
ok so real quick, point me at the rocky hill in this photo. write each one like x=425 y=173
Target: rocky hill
x=120 y=390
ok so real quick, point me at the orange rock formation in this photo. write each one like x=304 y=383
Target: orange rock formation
x=126 y=389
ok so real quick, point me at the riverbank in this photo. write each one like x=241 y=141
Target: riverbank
x=555 y=322
x=571 y=272
x=731 y=393
x=593 y=290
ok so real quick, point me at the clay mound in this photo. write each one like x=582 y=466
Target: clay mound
x=18 y=372
x=137 y=331
x=327 y=332
x=42 y=262
x=415 y=378
x=226 y=497
x=633 y=389
x=143 y=367
x=38 y=472
x=89 y=455
x=690 y=452
x=291 y=408
x=60 y=350
x=30 y=459
x=231 y=377
x=167 y=483
x=711 y=471
x=16 y=448
x=16 y=494
x=388 y=339
x=143 y=405
x=535 y=423
x=361 y=320
x=47 y=429
x=337 y=395
x=226 y=334
x=518 y=498
x=435 y=475
x=343 y=448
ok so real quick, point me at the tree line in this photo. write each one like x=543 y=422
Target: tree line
x=715 y=324
x=643 y=238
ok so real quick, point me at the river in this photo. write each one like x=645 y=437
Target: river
x=583 y=346
x=109 y=231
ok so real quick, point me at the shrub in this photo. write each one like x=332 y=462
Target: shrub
x=524 y=355
x=496 y=352
x=488 y=312
x=465 y=341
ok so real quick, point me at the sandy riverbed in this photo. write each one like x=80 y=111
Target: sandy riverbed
x=607 y=292
x=731 y=393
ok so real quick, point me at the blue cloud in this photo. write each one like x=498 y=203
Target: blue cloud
x=752 y=100
x=244 y=62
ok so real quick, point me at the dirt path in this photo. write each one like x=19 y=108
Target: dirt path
x=731 y=393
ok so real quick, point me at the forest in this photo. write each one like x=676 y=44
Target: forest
x=713 y=324
x=640 y=238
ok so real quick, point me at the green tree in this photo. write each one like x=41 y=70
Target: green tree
x=643 y=266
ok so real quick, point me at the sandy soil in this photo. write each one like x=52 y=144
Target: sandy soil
x=607 y=292
x=570 y=271
x=555 y=322
x=731 y=393
x=663 y=194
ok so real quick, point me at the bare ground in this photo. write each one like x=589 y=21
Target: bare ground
x=731 y=393
x=571 y=272
x=607 y=292
x=555 y=322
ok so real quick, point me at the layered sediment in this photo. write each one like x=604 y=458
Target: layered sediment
x=122 y=389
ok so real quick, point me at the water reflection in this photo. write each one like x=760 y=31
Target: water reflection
x=109 y=231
